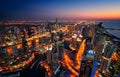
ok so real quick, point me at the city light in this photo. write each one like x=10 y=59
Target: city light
x=79 y=54
x=115 y=56
x=9 y=50
x=63 y=48
x=69 y=62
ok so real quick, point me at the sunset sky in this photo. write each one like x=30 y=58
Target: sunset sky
x=40 y=9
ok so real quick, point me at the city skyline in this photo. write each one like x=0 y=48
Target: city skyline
x=64 y=9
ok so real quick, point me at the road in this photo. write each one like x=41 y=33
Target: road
x=72 y=62
x=34 y=70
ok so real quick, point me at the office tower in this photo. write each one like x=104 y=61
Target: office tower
x=15 y=50
x=37 y=43
x=78 y=42
x=24 y=44
x=61 y=35
x=74 y=41
x=33 y=44
x=114 y=67
x=49 y=55
x=52 y=36
x=35 y=31
x=60 y=51
x=18 y=34
x=85 y=31
x=29 y=32
x=99 y=41
x=10 y=34
x=107 y=54
x=3 y=50
x=38 y=30
x=1 y=39
x=92 y=32
x=25 y=33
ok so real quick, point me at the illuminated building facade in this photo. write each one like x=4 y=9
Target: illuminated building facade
x=15 y=50
x=85 y=31
x=106 y=56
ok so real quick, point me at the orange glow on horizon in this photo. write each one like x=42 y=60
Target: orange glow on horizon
x=95 y=16
x=109 y=14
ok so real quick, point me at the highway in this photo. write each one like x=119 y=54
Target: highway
x=34 y=70
x=72 y=63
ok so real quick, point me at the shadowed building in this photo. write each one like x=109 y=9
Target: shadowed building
x=106 y=56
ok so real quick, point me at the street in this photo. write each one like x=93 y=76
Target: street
x=34 y=70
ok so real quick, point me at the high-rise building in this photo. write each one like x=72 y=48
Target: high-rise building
x=33 y=44
x=85 y=31
x=52 y=36
x=3 y=50
x=60 y=51
x=18 y=34
x=25 y=33
x=61 y=35
x=38 y=29
x=74 y=41
x=35 y=31
x=109 y=50
x=99 y=41
x=1 y=39
x=10 y=34
x=15 y=50
x=106 y=56
x=24 y=44
x=114 y=68
x=49 y=55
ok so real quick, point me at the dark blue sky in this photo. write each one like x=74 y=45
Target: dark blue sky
x=40 y=9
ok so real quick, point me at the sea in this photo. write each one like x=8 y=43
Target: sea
x=115 y=24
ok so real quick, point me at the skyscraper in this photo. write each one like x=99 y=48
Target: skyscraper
x=18 y=34
x=15 y=50
x=33 y=44
x=24 y=44
x=85 y=31
x=49 y=55
x=106 y=56
x=60 y=51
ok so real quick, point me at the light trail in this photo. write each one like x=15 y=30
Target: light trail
x=97 y=74
x=79 y=54
x=67 y=63
x=71 y=66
